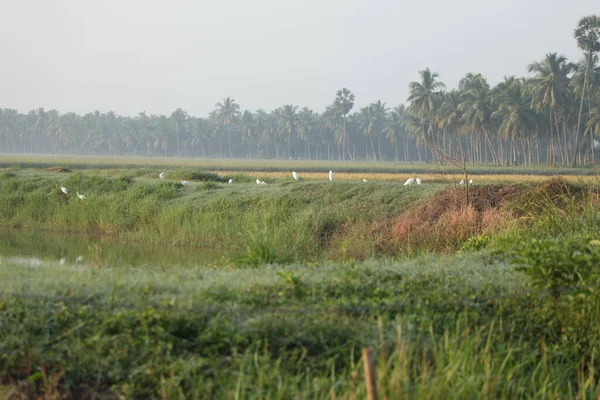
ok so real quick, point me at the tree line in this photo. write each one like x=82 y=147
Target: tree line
x=551 y=116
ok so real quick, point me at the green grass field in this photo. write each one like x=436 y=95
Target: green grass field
x=497 y=299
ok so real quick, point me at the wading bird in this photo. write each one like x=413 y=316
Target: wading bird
x=462 y=182
x=161 y=175
x=230 y=181
x=419 y=181
x=81 y=197
x=364 y=180
x=257 y=181
x=64 y=190
x=295 y=175
x=331 y=175
x=470 y=181
x=185 y=183
x=409 y=181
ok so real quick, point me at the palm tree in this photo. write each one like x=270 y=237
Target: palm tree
x=587 y=35
x=288 y=120
x=307 y=122
x=226 y=114
x=247 y=127
x=178 y=121
x=394 y=128
x=514 y=114
x=425 y=98
x=476 y=107
x=344 y=101
x=551 y=90
x=448 y=117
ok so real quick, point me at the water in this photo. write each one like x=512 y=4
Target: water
x=26 y=246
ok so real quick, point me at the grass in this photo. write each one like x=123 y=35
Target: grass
x=247 y=165
x=302 y=216
x=456 y=300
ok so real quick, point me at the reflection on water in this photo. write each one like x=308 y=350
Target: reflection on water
x=17 y=244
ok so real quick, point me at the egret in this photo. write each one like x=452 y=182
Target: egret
x=185 y=183
x=295 y=175
x=470 y=181
x=230 y=181
x=161 y=175
x=81 y=197
x=257 y=181
x=63 y=260
x=419 y=181
x=79 y=259
x=64 y=190
x=409 y=181
x=263 y=182
x=331 y=175
x=462 y=182
x=364 y=180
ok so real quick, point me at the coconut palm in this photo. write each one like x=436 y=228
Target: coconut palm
x=288 y=121
x=551 y=90
x=425 y=98
x=307 y=124
x=514 y=114
x=394 y=128
x=587 y=35
x=227 y=114
x=477 y=109
x=344 y=101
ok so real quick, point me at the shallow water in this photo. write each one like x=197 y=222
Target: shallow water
x=19 y=245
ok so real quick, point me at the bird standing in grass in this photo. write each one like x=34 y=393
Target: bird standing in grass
x=330 y=175
x=64 y=190
x=364 y=180
x=409 y=181
x=81 y=197
x=462 y=182
x=419 y=181
x=161 y=175
x=295 y=175
x=230 y=181
x=470 y=181
x=185 y=183
x=257 y=181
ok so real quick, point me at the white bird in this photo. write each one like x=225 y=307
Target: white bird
x=230 y=181
x=64 y=190
x=63 y=260
x=161 y=175
x=257 y=181
x=81 y=197
x=295 y=175
x=419 y=181
x=409 y=181
x=364 y=180
x=462 y=182
x=470 y=181
x=331 y=175
x=263 y=182
x=79 y=259
x=185 y=183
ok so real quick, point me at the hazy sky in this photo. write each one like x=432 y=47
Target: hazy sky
x=157 y=55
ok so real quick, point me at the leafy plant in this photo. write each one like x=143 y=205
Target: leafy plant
x=559 y=263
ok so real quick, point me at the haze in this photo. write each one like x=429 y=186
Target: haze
x=155 y=55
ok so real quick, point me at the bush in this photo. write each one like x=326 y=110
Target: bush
x=558 y=263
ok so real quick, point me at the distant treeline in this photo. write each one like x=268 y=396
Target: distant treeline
x=551 y=116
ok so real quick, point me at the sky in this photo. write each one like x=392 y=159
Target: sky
x=155 y=56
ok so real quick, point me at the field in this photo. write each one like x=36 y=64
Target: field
x=494 y=298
